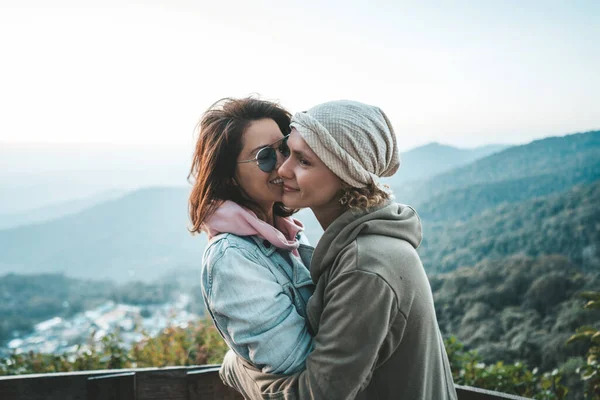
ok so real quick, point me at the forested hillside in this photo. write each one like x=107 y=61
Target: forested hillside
x=567 y=223
x=516 y=308
x=551 y=156
x=466 y=202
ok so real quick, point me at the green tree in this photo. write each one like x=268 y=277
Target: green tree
x=468 y=369
x=590 y=372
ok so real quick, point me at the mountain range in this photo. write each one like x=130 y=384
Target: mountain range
x=576 y=157
x=56 y=210
x=535 y=199
x=34 y=177
x=434 y=158
x=141 y=235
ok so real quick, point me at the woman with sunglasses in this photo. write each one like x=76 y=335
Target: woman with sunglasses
x=254 y=280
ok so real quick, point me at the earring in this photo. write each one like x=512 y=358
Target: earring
x=345 y=198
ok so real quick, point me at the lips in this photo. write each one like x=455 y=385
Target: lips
x=287 y=188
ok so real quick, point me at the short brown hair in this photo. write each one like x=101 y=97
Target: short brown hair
x=218 y=147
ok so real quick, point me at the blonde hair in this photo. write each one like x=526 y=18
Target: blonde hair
x=366 y=197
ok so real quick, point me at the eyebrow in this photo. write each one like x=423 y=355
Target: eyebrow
x=301 y=154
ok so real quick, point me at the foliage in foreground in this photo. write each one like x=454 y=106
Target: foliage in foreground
x=590 y=372
x=468 y=369
x=196 y=344
x=201 y=343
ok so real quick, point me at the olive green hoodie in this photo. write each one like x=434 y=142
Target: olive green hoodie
x=375 y=331
x=372 y=313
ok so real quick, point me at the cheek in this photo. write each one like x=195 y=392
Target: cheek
x=247 y=179
x=321 y=183
x=241 y=175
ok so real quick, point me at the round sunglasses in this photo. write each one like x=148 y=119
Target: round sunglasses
x=266 y=158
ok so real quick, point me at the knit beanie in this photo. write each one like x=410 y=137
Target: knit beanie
x=356 y=141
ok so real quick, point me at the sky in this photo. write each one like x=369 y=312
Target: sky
x=123 y=72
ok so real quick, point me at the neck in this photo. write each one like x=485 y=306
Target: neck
x=327 y=214
x=267 y=215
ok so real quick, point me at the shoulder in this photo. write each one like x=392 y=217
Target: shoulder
x=385 y=249
x=371 y=253
x=227 y=243
x=394 y=262
x=386 y=265
x=228 y=254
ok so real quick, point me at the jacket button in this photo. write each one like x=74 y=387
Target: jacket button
x=266 y=243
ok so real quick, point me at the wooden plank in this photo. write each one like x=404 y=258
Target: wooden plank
x=162 y=385
x=472 y=393
x=170 y=383
x=48 y=387
x=112 y=387
x=206 y=384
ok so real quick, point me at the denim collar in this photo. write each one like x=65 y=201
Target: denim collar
x=264 y=245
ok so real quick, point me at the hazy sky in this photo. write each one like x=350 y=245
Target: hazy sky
x=459 y=72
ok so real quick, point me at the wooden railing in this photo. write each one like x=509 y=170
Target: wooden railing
x=171 y=383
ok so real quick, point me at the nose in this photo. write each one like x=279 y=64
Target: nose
x=285 y=170
x=280 y=159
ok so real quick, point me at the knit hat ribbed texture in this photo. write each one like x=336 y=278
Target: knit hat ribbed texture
x=356 y=141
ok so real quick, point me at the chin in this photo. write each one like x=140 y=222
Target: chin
x=291 y=203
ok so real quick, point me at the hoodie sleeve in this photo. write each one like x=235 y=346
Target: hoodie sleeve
x=347 y=343
x=247 y=302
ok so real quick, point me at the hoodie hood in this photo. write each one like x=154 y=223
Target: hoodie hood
x=230 y=217
x=392 y=219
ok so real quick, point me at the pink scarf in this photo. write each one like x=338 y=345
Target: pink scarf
x=230 y=217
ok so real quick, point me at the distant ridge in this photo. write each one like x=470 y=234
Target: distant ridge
x=139 y=236
x=34 y=176
x=434 y=158
x=545 y=156
x=509 y=203
x=56 y=210
x=466 y=202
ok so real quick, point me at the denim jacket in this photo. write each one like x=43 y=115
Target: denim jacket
x=256 y=295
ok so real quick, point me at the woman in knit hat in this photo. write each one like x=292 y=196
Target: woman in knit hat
x=372 y=312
